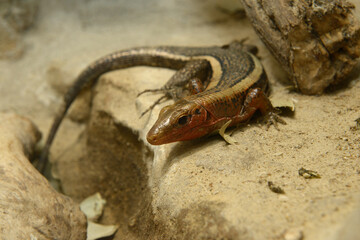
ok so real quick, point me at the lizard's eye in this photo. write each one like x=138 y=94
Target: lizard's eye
x=184 y=119
x=197 y=111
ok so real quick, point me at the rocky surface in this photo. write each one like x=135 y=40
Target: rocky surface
x=30 y=208
x=206 y=189
x=203 y=189
x=317 y=43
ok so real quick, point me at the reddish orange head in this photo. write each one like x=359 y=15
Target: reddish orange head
x=179 y=122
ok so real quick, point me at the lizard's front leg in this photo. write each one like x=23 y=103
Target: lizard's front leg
x=194 y=74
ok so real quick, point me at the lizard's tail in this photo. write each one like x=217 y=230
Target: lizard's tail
x=156 y=57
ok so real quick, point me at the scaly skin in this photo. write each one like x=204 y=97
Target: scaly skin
x=234 y=92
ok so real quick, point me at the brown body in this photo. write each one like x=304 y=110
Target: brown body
x=235 y=90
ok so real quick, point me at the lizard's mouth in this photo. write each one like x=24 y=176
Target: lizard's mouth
x=181 y=121
x=153 y=139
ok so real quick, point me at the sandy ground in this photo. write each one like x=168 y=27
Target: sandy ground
x=318 y=136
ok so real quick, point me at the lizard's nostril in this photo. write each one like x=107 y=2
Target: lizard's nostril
x=151 y=138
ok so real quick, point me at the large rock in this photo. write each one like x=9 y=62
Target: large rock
x=30 y=208
x=316 y=42
x=205 y=189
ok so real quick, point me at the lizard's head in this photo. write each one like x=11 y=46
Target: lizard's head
x=179 y=122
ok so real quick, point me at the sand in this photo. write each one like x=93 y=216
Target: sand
x=319 y=136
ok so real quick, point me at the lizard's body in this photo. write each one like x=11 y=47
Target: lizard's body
x=234 y=92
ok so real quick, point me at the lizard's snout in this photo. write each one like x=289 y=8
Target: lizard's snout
x=153 y=137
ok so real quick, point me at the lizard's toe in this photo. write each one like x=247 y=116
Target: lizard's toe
x=273 y=118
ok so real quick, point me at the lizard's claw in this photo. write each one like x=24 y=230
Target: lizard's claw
x=152 y=106
x=158 y=90
x=273 y=118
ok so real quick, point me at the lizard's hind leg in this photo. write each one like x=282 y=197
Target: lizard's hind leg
x=257 y=100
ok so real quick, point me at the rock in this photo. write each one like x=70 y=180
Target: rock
x=60 y=81
x=107 y=162
x=317 y=43
x=201 y=189
x=30 y=208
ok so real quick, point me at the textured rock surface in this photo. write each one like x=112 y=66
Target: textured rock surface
x=30 y=208
x=317 y=42
x=198 y=189
x=205 y=189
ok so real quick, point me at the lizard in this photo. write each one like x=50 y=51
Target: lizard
x=227 y=83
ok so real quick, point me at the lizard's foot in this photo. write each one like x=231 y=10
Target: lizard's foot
x=177 y=87
x=163 y=90
x=273 y=118
x=152 y=106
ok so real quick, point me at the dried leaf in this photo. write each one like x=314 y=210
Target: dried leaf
x=283 y=102
x=308 y=174
x=93 y=206
x=96 y=231
x=274 y=188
